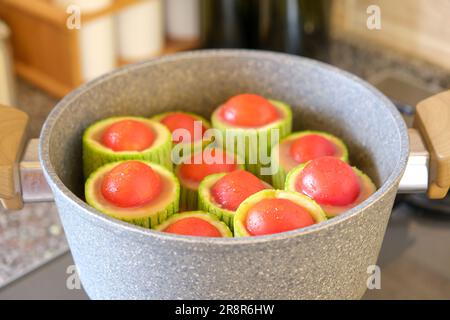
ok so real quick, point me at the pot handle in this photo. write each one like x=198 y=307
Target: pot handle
x=432 y=120
x=13 y=135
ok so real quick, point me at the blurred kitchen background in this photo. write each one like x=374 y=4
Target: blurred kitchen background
x=50 y=47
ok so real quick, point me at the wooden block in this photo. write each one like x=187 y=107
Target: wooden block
x=433 y=122
x=14 y=203
x=13 y=128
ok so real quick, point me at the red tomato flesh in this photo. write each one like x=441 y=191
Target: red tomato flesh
x=198 y=171
x=131 y=184
x=329 y=180
x=233 y=188
x=128 y=135
x=193 y=226
x=249 y=110
x=179 y=120
x=310 y=147
x=276 y=215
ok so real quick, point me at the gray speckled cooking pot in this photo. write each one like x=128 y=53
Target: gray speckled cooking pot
x=328 y=260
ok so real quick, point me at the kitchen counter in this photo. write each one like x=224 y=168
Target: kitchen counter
x=415 y=260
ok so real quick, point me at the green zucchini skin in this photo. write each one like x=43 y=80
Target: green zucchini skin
x=253 y=137
x=328 y=209
x=145 y=216
x=239 y=218
x=96 y=155
x=194 y=147
x=222 y=227
x=279 y=172
x=205 y=202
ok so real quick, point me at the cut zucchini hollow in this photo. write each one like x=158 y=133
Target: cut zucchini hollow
x=148 y=215
x=240 y=229
x=95 y=154
x=282 y=161
x=210 y=218
x=179 y=148
x=255 y=143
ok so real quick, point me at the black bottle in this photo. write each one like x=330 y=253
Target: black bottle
x=280 y=25
x=228 y=24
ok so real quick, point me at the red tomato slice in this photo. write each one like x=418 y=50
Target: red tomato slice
x=128 y=135
x=198 y=171
x=276 y=215
x=193 y=226
x=233 y=188
x=329 y=180
x=131 y=184
x=310 y=147
x=249 y=110
x=179 y=120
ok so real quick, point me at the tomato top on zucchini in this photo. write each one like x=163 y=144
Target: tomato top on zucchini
x=128 y=135
x=248 y=110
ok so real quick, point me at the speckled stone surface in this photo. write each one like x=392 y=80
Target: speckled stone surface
x=28 y=239
x=118 y=260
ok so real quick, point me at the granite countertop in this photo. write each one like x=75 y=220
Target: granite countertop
x=33 y=236
x=29 y=238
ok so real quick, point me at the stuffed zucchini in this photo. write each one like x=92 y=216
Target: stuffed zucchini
x=195 y=223
x=275 y=211
x=191 y=125
x=250 y=125
x=332 y=183
x=301 y=147
x=125 y=138
x=135 y=191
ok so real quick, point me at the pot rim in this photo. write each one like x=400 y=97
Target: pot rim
x=96 y=216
